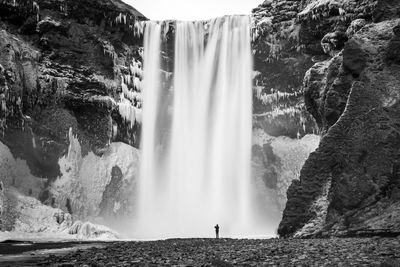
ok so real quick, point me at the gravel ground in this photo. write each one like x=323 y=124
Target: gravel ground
x=230 y=252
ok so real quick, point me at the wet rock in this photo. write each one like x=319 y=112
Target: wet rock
x=354 y=58
x=393 y=51
x=358 y=151
x=333 y=42
x=48 y=24
x=29 y=26
x=315 y=84
x=355 y=26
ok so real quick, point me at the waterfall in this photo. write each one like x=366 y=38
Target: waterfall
x=195 y=172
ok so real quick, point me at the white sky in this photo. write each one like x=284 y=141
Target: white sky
x=192 y=9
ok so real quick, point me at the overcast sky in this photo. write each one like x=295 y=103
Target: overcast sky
x=192 y=9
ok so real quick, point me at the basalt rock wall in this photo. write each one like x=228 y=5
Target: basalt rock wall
x=349 y=186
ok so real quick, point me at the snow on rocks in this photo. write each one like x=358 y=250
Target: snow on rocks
x=31 y=216
x=27 y=218
x=84 y=178
x=281 y=157
x=92 y=231
x=80 y=188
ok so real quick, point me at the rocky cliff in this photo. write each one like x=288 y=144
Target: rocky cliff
x=350 y=185
x=70 y=81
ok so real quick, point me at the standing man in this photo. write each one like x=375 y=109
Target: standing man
x=216 y=231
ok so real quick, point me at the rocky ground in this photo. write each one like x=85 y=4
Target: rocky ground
x=229 y=252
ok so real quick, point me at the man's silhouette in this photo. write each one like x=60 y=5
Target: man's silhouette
x=216 y=231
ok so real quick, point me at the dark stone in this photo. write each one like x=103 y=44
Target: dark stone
x=326 y=88
x=396 y=30
x=334 y=41
x=29 y=26
x=354 y=58
x=68 y=206
x=393 y=50
x=386 y=10
x=111 y=193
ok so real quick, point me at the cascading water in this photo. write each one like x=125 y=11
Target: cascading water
x=199 y=175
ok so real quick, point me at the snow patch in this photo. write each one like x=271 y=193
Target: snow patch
x=90 y=231
x=35 y=221
x=34 y=217
x=84 y=179
x=291 y=153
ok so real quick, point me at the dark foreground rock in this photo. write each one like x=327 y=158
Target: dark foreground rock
x=228 y=252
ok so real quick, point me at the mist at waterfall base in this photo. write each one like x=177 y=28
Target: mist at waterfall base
x=197 y=135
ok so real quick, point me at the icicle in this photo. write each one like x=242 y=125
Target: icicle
x=35 y=7
x=137 y=84
x=138 y=28
x=131 y=95
x=135 y=69
x=71 y=142
x=258 y=90
x=128 y=79
x=129 y=113
x=18 y=102
x=118 y=19
x=139 y=115
x=114 y=131
x=33 y=140
x=3 y=106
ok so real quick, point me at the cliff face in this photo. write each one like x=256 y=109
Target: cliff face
x=350 y=185
x=70 y=70
x=279 y=70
